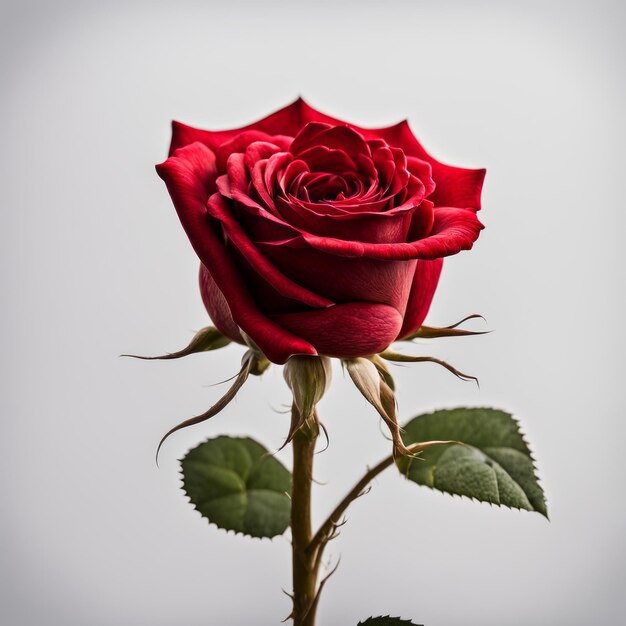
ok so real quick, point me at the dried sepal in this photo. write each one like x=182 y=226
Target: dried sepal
x=376 y=391
x=404 y=463
x=298 y=421
x=383 y=370
x=433 y=332
x=248 y=363
x=260 y=364
x=390 y=355
x=206 y=339
x=308 y=378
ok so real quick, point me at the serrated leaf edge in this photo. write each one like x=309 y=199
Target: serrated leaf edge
x=522 y=435
x=231 y=530
x=195 y=508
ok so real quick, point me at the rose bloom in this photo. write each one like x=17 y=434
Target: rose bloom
x=316 y=236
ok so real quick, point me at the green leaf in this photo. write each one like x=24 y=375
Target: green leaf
x=386 y=620
x=493 y=464
x=237 y=485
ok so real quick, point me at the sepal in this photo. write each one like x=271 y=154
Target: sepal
x=390 y=355
x=372 y=385
x=432 y=332
x=308 y=377
x=252 y=361
x=206 y=339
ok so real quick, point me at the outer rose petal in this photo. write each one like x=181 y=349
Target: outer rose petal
x=218 y=208
x=187 y=175
x=424 y=284
x=453 y=230
x=240 y=142
x=217 y=307
x=346 y=330
x=456 y=186
x=346 y=279
x=383 y=227
x=286 y=121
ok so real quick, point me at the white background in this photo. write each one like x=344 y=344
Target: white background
x=95 y=263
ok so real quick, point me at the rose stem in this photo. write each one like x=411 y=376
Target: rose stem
x=307 y=549
x=304 y=570
x=327 y=530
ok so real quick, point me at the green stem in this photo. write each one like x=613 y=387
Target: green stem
x=327 y=529
x=304 y=570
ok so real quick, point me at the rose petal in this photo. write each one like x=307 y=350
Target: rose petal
x=219 y=209
x=423 y=289
x=243 y=141
x=276 y=164
x=422 y=170
x=286 y=121
x=346 y=330
x=348 y=209
x=385 y=165
x=259 y=151
x=455 y=186
x=422 y=221
x=341 y=137
x=291 y=176
x=217 y=307
x=241 y=183
x=385 y=227
x=186 y=174
x=305 y=137
x=345 y=279
x=453 y=230
x=325 y=159
x=401 y=175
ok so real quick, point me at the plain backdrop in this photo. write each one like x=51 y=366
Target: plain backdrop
x=95 y=263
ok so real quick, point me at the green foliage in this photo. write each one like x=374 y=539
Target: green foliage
x=386 y=620
x=493 y=464
x=237 y=485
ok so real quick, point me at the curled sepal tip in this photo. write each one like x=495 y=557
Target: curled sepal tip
x=433 y=332
x=206 y=339
x=398 y=357
x=376 y=391
x=403 y=463
x=248 y=363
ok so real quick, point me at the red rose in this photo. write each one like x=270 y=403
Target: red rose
x=317 y=236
